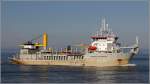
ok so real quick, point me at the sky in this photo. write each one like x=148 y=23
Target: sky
x=71 y=23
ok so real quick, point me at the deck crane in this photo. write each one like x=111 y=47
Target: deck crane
x=30 y=44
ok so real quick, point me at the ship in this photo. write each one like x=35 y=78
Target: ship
x=104 y=50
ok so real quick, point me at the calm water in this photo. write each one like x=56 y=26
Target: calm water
x=61 y=74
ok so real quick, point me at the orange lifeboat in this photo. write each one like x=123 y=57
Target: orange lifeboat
x=92 y=48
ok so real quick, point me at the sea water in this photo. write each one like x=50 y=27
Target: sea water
x=11 y=73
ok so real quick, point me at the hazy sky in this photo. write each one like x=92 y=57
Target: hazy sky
x=72 y=22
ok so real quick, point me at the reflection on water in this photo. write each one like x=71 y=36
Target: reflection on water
x=57 y=74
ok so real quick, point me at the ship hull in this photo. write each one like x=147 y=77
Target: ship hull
x=97 y=61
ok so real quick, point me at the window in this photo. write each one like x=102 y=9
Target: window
x=51 y=57
x=54 y=58
x=74 y=57
x=64 y=57
x=61 y=57
x=82 y=57
x=47 y=57
x=79 y=57
x=95 y=44
x=44 y=57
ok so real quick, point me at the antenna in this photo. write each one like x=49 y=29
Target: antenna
x=107 y=27
x=97 y=33
x=103 y=24
x=137 y=40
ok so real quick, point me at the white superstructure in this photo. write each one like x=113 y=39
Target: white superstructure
x=105 y=40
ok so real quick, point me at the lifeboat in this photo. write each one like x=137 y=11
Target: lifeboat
x=92 y=48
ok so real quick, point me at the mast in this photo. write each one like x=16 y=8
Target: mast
x=104 y=31
x=103 y=24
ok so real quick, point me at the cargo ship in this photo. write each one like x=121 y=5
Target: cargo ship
x=104 y=50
